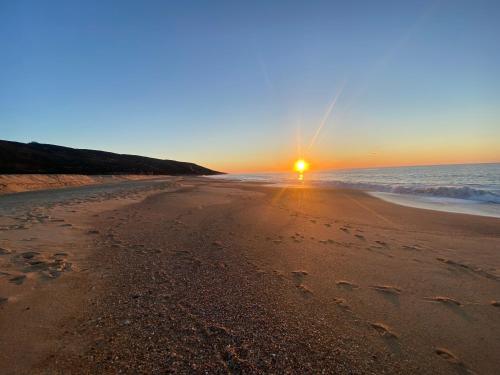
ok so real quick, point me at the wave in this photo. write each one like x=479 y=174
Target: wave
x=455 y=192
x=486 y=193
x=462 y=192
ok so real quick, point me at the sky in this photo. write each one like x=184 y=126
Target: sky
x=251 y=86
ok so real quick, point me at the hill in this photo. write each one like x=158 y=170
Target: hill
x=37 y=158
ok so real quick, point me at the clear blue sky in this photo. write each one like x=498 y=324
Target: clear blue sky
x=228 y=84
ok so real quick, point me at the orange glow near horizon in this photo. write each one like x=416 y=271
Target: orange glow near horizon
x=356 y=157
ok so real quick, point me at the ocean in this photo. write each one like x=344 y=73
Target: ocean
x=465 y=188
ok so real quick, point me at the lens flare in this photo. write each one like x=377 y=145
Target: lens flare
x=301 y=166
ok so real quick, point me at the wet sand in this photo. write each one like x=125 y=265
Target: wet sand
x=201 y=276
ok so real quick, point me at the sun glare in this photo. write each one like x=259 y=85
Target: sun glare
x=301 y=166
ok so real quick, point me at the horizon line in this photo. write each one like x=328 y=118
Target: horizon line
x=381 y=167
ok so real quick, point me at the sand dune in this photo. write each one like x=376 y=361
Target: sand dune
x=16 y=183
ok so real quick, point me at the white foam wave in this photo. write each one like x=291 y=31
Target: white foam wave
x=473 y=183
x=455 y=192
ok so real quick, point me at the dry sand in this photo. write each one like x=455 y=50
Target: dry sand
x=201 y=276
x=15 y=183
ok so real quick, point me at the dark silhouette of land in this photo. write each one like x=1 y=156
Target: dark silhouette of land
x=37 y=158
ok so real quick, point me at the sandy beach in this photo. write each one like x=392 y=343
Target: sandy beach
x=192 y=275
x=17 y=183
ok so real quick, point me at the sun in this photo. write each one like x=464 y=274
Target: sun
x=301 y=166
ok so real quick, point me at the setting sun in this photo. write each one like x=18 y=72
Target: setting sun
x=301 y=166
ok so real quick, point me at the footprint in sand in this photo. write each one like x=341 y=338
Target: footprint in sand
x=35 y=265
x=469 y=268
x=453 y=360
x=29 y=254
x=18 y=280
x=279 y=273
x=49 y=267
x=384 y=330
x=4 y=251
x=452 y=304
x=342 y=303
x=379 y=250
x=298 y=277
x=182 y=252
x=390 y=337
x=411 y=247
x=343 y=284
x=391 y=293
x=360 y=236
x=305 y=290
x=446 y=300
x=387 y=289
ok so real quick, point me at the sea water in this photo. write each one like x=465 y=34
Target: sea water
x=465 y=188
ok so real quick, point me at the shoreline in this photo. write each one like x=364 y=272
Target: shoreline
x=450 y=205
x=200 y=275
x=424 y=202
x=13 y=184
x=468 y=188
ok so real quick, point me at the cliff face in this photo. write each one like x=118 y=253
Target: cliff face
x=33 y=158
